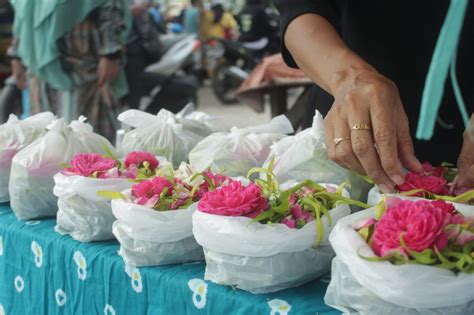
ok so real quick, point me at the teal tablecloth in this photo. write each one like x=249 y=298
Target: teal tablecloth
x=42 y=272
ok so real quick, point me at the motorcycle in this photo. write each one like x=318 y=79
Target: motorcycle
x=236 y=63
x=171 y=82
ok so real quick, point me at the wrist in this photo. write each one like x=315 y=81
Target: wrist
x=350 y=67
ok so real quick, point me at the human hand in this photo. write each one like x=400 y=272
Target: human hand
x=466 y=159
x=107 y=70
x=19 y=72
x=370 y=125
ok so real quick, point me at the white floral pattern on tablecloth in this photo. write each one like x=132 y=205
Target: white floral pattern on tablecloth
x=279 y=307
x=61 y=297
x=19 y=284
x=109 y=310
x=199 y=288
x=38 y=252
x=81 y=263
x=136 y=278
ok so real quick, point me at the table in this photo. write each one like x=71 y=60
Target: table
x=42 y=272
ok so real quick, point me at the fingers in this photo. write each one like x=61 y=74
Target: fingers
x=466 y=179
x=363 y=147
x=385 y=138
x=406 y=151
x=344 y=152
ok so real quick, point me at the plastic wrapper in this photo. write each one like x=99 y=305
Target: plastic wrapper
x=263 y=258
x=359 y=285
x=82 y=213
x=350 y=297
x=149 y=238
x=375 y=196
x=31 y=182
x=234 y=153
x=165 y=134
x=305 y=156
x=15 y=135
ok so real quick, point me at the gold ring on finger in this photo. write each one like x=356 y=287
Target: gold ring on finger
x=339 y=140
x=361 y=126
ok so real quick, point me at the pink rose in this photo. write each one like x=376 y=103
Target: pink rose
x=217 y=180
x=289 y=222
x=234 y=200
x=151 y=190
x=433 y=184
x=430 y=170
x=138 y=158
x=89 y=164
x=421 y=223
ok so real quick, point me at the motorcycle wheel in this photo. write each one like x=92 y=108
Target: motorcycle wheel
x=224 y=84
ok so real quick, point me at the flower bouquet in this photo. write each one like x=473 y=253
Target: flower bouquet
x=435 y=183
x=83 y=212
x=404 y=257
x=154 y=225
x=262 y=239
x=234 y=153
x=16 y=134
x=165 y=134
x=33 y=168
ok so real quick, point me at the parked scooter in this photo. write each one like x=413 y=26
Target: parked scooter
x=235 y=65
x=171 y=83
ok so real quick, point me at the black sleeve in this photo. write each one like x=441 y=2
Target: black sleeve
x=291 y=9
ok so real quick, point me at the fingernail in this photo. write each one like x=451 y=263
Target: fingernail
x=397 y=179
x=385 y=189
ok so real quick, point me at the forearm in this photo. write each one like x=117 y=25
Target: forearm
x=321 y=53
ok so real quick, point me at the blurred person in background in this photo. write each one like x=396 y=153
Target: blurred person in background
x=219 y=23
x=191 y=17
x=143 y=48
x=75 y=52
x=257 y=30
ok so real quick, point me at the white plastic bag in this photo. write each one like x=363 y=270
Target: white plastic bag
x=263 y=258
x=16 y=134
x=149 y=238
x=82 y=213
x=236 y=152
x=305 y=156
x=375 y=196
x=350 y=297
x=33 y=168
x=412 y=289
x=165 y=134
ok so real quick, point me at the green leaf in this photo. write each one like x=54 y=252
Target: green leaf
x=111 y=194
x=463 y=198
x=264 y=216
x=65 y=165
x=425 y=257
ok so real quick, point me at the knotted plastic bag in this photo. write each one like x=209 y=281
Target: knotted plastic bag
x=33 y=168
x=15 y=135
x=165 y=134
x=263 y=258
x=234 y=153
x=82 y=212
x=368 y=287
x=149 y=238
x=305 y=156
